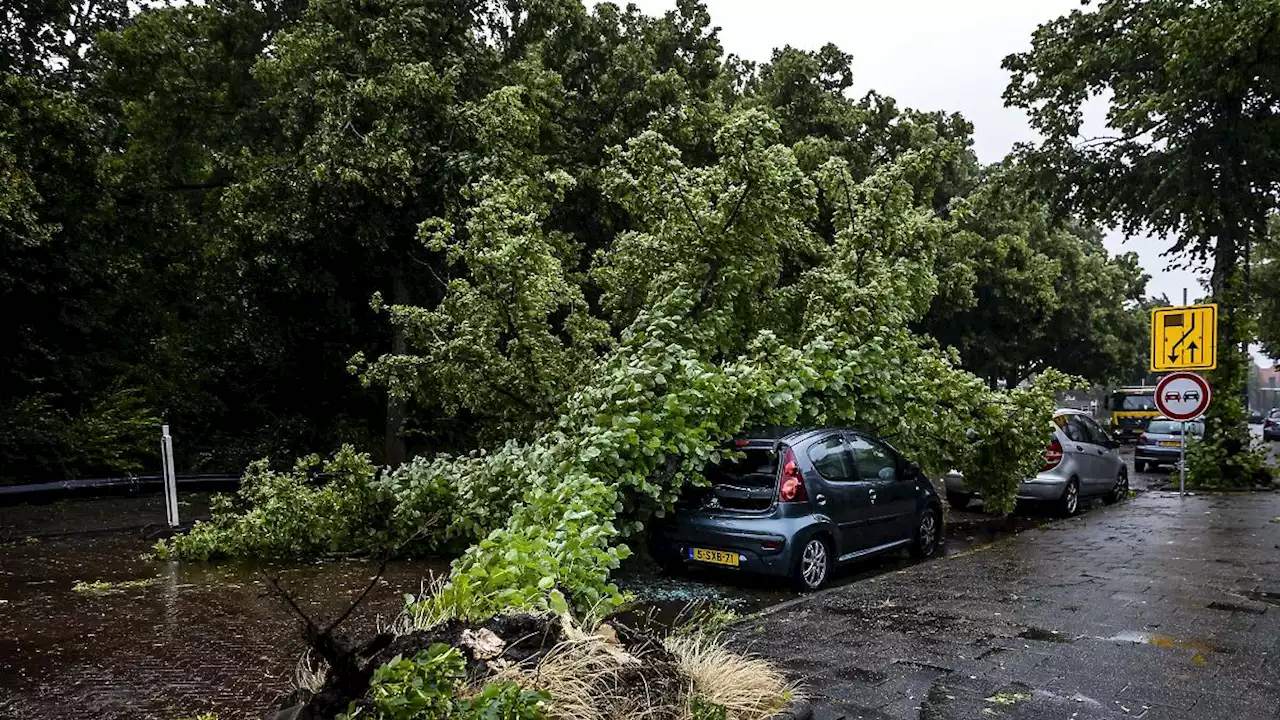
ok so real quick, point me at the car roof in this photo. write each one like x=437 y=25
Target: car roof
x=774 y=433
x=789 y=435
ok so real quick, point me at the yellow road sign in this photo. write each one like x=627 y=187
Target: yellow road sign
x=1184 y=338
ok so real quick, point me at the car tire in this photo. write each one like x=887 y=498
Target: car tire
x=813 y=566
x=1121 y=489
x=928 y=533
x=1141 y=466
x=1069 y=503
x=959 y=501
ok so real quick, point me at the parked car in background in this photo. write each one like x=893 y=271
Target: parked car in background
x=1161 y=444
x=1271 y=426
x=797 y=503
x=1081 y=460
x=1256 y=417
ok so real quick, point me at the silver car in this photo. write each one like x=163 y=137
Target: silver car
x=1161 y=443
x=1081 y=460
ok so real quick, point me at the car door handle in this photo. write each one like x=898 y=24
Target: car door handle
x=820 y=498
x=1080 y=448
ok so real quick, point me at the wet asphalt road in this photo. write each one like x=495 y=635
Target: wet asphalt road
x=195 y=638
x=1162 y=608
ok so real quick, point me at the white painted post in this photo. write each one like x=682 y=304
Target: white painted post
x=1182 y=446
x=170 y=480
x=1182 y=461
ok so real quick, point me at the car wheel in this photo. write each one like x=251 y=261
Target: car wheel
x=928 y=533
x=814 y=565
x=1069 y=503
x=1141 y=466
x=1120 y=491
x=959 y=501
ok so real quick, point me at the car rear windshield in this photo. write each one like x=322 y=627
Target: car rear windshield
x=746 y=484
x=1171 y=427
x=758 y=469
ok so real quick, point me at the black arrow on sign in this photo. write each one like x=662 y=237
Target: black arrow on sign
x=1193 y=350
x=1173 y=351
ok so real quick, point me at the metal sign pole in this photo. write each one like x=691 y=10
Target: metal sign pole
x=1182 y=462
x=170 y=479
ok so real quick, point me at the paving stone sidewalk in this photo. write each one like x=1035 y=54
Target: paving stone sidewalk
x=1159 y=608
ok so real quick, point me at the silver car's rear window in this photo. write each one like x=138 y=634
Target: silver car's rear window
x=1170 y=427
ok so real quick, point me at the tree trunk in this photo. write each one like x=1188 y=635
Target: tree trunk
x=394 y=453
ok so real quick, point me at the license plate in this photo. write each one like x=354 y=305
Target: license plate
x=717 y=557
x=1169 y=443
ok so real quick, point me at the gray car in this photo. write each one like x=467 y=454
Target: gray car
x=1161 y=443
x=1081 y=460
x=797 y=503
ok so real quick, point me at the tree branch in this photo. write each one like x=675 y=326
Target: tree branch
x=684 y=199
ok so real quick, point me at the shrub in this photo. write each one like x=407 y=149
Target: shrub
x=431 y=685
x=312 y=510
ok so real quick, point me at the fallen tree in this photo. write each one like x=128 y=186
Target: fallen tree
x=736 y=313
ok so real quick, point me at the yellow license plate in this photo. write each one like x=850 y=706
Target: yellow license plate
x=718 y=557
x=1168 y=443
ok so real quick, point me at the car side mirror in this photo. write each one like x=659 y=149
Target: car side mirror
x=1112 y=444
x=911 y=471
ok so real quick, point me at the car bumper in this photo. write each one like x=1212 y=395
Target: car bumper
x=1126 y=433
x=1041 y=487
x=1149 y=453
x=751 y=538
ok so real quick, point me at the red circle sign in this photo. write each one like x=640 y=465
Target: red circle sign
x=1183 y=396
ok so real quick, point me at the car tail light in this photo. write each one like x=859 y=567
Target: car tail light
x=1142 y=439
x=792 y=487
x=1052 y=455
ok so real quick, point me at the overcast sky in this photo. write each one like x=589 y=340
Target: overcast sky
x=930 y=55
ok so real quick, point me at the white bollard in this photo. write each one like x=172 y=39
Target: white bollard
x=170 y=480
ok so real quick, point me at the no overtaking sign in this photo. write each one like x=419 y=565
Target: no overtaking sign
x=1183 y=396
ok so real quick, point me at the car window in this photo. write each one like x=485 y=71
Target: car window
x=1097 y=435
x=758 y=467
x=1074 y=429
x=831 y=458
x=1139 y=402
x=873 y=460
x=1173 y=427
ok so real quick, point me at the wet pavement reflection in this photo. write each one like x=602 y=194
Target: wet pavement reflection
x=160 y=639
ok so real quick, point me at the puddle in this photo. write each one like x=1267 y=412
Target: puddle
x=88 y=623
x=1035 y=633
x=1200 y=647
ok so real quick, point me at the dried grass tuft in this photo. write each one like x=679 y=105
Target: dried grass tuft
x=748 y=688
x=590 y=678
x=310 y=673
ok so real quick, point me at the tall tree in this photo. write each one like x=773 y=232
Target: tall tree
x=1266 y=284
x=1193 y=91
x=1023 y=290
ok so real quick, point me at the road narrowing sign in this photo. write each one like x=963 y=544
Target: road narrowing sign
x=1183 y=396
x=1184 y=338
